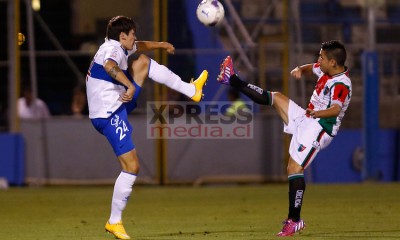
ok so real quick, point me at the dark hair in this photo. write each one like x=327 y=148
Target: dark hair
x=119 y=24
x=335 y=50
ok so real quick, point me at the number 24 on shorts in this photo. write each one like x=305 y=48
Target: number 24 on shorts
x=120 y=127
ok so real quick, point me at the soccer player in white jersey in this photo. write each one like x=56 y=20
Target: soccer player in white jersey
x=312 y=129
x=113 y=87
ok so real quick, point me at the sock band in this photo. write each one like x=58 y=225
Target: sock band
x=294 y=176
x=297 y=187
x=133 y=174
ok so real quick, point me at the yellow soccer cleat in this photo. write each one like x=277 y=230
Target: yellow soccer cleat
x=117 y=229
x=199 y=84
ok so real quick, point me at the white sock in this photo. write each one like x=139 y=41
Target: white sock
x=161 y=74
x=122 y=192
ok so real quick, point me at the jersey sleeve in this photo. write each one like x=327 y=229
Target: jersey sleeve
x=317 y=70
x=114 y=54
x=339 y=93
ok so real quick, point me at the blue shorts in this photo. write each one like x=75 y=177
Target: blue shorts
x=117 y=128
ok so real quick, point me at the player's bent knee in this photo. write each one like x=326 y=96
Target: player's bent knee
x=278 y=95
x=129 y=162
x=135 y=169
x=132 y=167
x=142 y=62
x=140 y=67
x=293 y=167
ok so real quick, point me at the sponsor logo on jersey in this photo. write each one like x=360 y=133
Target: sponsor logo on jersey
x=315 y=144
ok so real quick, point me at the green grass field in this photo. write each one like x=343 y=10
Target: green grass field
x=364 y=211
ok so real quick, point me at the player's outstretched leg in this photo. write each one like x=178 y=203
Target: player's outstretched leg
x=161 y=74
x=227 y=76
x=290 y=227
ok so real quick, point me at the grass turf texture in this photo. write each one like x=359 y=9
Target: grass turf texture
x=364 y=211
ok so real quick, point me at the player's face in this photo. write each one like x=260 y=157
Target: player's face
x=326 y=65
x=128 y=40
x=323 y=61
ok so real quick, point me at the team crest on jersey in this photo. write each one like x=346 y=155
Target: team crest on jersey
x=114 y=54
x=301 y=148
x=326 y=90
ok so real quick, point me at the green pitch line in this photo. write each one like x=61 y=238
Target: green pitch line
x=246 y=212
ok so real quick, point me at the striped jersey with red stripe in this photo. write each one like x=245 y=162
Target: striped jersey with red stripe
x=331 y=90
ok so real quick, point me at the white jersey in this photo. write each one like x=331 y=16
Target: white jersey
x=103 y=92
x=330 y=90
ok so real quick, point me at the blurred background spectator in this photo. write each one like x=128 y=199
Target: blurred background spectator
x=30 y=107
x=79 y=103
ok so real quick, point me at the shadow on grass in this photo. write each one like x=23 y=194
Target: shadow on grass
x=201 y=233
x=367 y=234
x=256 y=235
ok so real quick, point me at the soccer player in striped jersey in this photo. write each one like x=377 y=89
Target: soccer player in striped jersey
x=113 y=87
x=312 y=129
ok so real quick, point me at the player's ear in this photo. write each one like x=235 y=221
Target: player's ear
x=122 y=36
x=332 y=62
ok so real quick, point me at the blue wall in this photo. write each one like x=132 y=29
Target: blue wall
x=12 y=158
x=335 y=163
x=332 y=165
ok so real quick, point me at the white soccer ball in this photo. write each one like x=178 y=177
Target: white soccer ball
x=210 y=12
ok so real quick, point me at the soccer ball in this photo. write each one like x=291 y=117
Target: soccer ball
x=210 y=12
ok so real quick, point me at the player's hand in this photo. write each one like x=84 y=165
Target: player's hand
x=310 y=112
x=128 y=95
x=296 y=73
x=169 y=48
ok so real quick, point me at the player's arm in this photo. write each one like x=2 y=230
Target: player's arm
x=115 y=72
x=339 y=93
x=299 y=71
x=330 y=112
x=143 y=46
